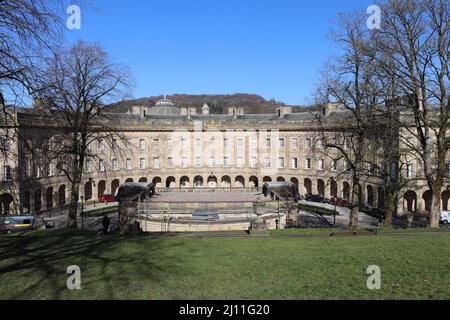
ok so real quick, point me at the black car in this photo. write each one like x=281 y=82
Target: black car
x=315 y=198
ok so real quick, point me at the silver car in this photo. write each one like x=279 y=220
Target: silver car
x=445 y=217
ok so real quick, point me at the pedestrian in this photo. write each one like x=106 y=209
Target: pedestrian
x=380 y=219
x=106 y=223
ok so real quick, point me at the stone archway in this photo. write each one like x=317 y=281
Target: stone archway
x=185 y=182
x=427 y=197
x=295 y=182
x=253 y=182
x=171 y=182
x=62 y=196
x=129 y=180
x=114 y=186
x=198 y=182
x=225 y=182
x=267 y=179
x=157 y=182
x=445 y=197
x=88 y=191
x=101 y=188
x=410 y=201
x=321 y=187
x=37 y=201
x=307 y=183
x=49 y=198
x=370 y=196
x=27 y=201
x=239 y=182
x=143 y=180
x=346 y=190
x=212 y=182
x=333 y=188
x=6 y=204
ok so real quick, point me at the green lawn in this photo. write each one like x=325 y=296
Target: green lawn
x=413 y=267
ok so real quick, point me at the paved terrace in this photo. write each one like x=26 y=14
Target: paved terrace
x=206 y=197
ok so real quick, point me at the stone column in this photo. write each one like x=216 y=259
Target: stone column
x=94 y=190
x=339 y=190
x=314 y=186
x=44 y=200
x=401 y=206
x=420 y=204
x=327 y=193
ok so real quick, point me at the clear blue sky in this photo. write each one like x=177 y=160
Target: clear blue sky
x=272 y=48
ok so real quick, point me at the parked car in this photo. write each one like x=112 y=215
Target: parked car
x=363 y=208
x=445 y=217
x=340 y=202
x=315 y=198
x=10 y=224
x=107 y=198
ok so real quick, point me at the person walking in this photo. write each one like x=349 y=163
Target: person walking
x=106 y=223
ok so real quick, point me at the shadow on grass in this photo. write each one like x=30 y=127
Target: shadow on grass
x=111 y=262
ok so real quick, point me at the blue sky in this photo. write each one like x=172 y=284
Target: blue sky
x=271 y=48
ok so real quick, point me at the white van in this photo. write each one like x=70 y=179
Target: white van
x=445 y=217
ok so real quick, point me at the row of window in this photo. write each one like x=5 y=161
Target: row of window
x=142 y=145
x=212 y=162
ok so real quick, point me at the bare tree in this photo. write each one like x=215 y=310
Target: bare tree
x=78 y=83
x=28 y=31
x=349 y=83
x=415 y=35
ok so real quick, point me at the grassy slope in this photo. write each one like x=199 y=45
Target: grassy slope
x=33 y=267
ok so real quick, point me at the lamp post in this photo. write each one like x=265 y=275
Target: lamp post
x=82 y=213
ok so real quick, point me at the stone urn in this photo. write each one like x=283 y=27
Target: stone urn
x=258 y=227
x=409 y=219
x=259 y=207
x=127 y=218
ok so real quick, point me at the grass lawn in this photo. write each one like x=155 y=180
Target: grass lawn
x=33 y=266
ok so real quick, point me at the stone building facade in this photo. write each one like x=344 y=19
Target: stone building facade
x=176 y=148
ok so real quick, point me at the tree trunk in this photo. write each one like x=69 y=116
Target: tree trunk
x=73 y=206
x=435 y=210
x=390 y=208
x=355 y=206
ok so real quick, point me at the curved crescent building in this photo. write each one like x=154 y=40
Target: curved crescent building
x=176 y=147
